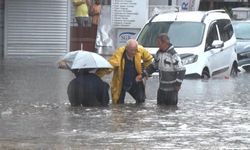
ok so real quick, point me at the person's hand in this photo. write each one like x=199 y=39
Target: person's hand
x=62 y=64
x=138 y=78
x=177 y=87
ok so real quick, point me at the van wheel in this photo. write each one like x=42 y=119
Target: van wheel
x=205 y=74
x=234 y=71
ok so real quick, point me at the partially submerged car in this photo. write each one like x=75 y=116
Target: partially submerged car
x=242 y=33
x=204 y=40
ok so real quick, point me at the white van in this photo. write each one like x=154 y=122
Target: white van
x=204 y=40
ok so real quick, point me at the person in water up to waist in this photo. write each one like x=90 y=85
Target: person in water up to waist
x=171 y=71
x=127 y=66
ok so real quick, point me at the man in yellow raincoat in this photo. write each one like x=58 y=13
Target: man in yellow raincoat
x=127 y=66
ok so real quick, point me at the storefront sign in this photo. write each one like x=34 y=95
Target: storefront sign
x=129 y=13
x=123 y=35
x=188 y=5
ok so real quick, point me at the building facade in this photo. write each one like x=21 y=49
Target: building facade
x=42 y=27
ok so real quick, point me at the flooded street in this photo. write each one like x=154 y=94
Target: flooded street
x=35 y=113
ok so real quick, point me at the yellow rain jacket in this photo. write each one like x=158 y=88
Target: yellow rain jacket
x=118 y=62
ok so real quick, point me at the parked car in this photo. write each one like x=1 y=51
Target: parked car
x=242 y=33
x=204 y=40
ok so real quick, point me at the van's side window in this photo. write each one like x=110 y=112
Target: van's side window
x=225 y=29
x=212 y=35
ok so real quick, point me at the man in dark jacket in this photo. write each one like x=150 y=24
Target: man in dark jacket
x=171 y=71
x=87 y=89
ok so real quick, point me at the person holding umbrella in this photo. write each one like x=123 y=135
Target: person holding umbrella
x=127 y=67
x=86 y=89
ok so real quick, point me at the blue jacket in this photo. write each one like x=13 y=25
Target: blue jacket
x=88 y=90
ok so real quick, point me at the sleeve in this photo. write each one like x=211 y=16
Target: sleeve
x=103 y=71
x=69 y=58
x=114 y=60
x=147 y=58
x=72 y=92
x=105 y=94
x=180 y=70
x=151 y=68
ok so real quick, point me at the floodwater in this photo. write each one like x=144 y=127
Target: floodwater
x=35 y=113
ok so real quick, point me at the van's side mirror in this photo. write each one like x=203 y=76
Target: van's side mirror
x=217 y=44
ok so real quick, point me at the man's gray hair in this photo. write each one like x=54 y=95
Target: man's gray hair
x=131 y=42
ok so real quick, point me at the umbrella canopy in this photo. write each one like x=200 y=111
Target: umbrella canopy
x=81 y=59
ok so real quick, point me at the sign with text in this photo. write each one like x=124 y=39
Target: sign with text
x=129 y=13
x=123 y=35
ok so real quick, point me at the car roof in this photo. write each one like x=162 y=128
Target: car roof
x=191 y=16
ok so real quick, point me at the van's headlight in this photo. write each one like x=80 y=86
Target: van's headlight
x=189 y=59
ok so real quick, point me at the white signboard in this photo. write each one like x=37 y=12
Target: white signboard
x=129 y=13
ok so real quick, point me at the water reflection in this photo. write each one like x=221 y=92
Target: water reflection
x=35 y=114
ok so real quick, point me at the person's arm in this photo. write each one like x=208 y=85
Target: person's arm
x=72 y=92
x=114 y=60
x=104 y=94
x=62 y=64
x=149 y=65
x=103 y=71
x=67 y=60
x=147 y=71
x=147 y=58
x=180 y=72
x=150 y=69
x=78 y=3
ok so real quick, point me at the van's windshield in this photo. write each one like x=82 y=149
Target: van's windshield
x=181 y=34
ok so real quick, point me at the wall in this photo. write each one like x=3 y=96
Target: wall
x=1 y=27
x=37 y=27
